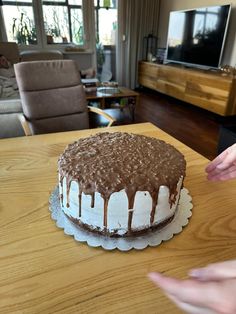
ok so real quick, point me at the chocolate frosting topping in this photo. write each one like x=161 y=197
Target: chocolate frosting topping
x=110 y=162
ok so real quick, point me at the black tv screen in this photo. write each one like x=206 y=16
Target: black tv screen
x=196 y=37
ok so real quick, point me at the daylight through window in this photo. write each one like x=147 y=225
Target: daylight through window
x=19 y=22
x=62 y=21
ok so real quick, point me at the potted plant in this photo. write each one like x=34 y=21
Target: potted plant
x=100 y=57
x=52 y=31
x=23 y=30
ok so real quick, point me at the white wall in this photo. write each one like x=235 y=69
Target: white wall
x=229 y=56
x=84 y=60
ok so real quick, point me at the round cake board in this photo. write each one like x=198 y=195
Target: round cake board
x=154 y=238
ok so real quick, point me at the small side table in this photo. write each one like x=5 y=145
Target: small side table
x=106 y=96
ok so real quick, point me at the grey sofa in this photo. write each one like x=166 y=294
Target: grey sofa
x=9 y=122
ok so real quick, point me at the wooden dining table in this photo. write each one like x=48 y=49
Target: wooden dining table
x=43 y=270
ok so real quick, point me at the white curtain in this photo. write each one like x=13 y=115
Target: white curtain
x=136 y=19
x=3 y=36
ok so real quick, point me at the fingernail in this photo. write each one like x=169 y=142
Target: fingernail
x=220 y=166
x=197 y=273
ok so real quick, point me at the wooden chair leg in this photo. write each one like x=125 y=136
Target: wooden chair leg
x=103 y=114
x=25 y=125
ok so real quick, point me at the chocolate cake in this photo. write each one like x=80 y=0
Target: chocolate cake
x=120 y=184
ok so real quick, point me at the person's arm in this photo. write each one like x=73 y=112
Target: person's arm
x=223 y=167
x=210 y=290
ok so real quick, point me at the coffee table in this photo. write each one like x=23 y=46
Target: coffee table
x=115 y=97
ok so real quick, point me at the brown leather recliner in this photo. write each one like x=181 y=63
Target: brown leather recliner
x=53 y=98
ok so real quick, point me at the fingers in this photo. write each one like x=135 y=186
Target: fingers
x=216 y=271
x=196 y=293
x=225 y=160
x=229 y=160
x=189 y=308
x=214 y=163
x=202 y=297
x=219 y=175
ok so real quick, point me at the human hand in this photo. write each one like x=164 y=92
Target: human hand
x=211 y=290
x=223 y=167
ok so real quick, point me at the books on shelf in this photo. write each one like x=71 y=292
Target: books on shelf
x=90 y=82
x=90 y=85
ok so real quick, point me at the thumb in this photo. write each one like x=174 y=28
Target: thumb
x=217 y=271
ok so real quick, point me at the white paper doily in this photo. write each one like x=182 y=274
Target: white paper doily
x=155 y=238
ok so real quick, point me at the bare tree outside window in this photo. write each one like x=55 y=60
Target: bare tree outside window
x=77 y=26
x=106 y=21
x=19 y=24
x=56 y=24
x=63 y=21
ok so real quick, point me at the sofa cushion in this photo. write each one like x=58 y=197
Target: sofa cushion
x=7 y=73
x=10 y=106
x=11 y=51
x=36 y=55
x=10 y=125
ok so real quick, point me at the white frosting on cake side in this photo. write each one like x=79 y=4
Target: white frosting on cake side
x=117 y=213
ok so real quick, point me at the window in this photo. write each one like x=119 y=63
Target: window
x=62 y=21
x=205 y=21
x=19 y=21
x=106 y=21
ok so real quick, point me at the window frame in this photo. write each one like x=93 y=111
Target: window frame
x=21 y=4
x=96 y=10
x=65 y=3
x=37 y=7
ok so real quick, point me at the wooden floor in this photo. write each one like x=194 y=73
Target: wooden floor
x=193 y=126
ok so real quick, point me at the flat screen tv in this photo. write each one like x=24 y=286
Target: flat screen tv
x=196 y=37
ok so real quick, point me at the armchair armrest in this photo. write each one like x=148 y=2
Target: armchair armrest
x=27 y=131
x=25 y=125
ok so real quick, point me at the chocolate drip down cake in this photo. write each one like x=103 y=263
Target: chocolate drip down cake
x=120 y=184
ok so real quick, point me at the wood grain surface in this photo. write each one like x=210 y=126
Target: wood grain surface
x=45 y=271
x=206 y=89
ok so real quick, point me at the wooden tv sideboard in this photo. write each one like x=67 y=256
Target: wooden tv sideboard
x=206 y=89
